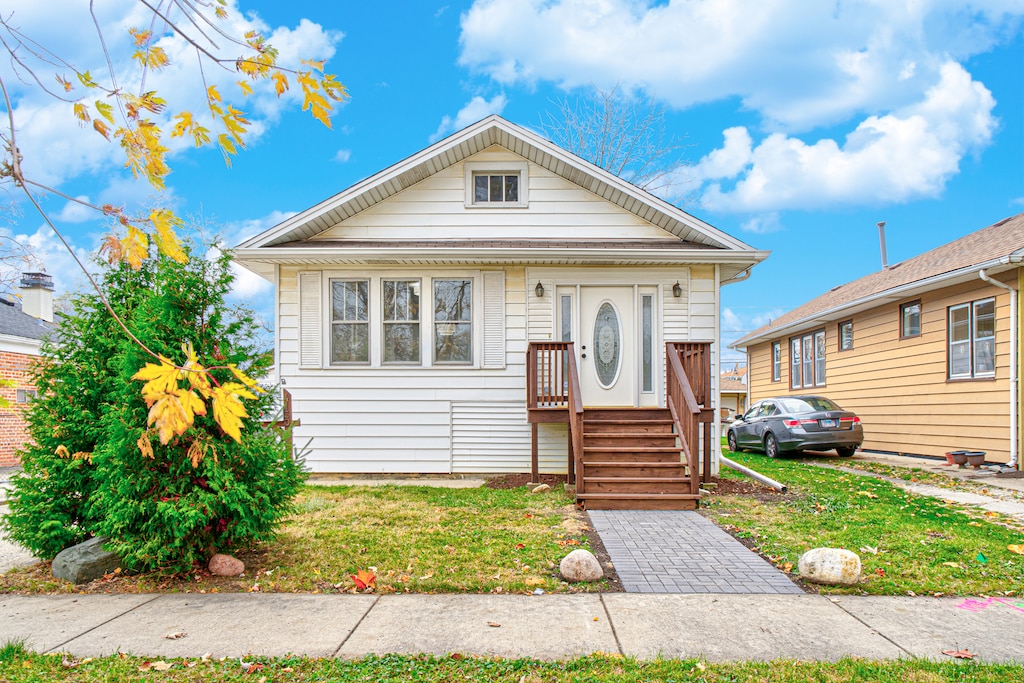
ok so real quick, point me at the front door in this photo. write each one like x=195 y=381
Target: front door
x=606 y=346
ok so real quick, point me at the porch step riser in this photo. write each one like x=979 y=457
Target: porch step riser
x=672 y=502
x=629 y=440
x=639 y=414
x=647 y=488
x=624 y=427
x=606 y=470
x=603 y=455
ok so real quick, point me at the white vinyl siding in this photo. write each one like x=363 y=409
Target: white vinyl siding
x=490 y=437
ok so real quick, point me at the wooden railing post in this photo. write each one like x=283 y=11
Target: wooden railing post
x=688 y=397
x=553 y=384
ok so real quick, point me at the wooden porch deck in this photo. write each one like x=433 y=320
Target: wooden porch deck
x=628 y=458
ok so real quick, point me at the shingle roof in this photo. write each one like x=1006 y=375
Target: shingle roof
x=732 y=386
x=15 y=323
x=1003 y=240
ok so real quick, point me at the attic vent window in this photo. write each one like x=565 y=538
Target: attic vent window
x=498 y=185
x=495 y=188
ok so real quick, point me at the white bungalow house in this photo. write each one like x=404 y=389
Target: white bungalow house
x=469 y=309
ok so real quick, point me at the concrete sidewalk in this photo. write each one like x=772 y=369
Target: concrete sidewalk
x=715 y=627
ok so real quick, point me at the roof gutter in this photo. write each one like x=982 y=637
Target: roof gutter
x=899 y=292
x=1014 y=374
x=739 y=277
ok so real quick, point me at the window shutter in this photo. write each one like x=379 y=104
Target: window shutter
x=494 y=319
x=311 y=331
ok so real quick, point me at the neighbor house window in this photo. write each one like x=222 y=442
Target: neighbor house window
x=776 y=361
x=25 y=395
x=453 y=321
x=910 y=319
x=807 y=362
x=972 y=337
x=401 y=321
x=846 y=335
x=350 y=326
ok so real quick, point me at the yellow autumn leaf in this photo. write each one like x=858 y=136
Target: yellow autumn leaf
x=165 y=229
x=81 y=112
x=112 y=248
x=244 y=378
x=1019 y=549
x=136 y=247
x=235 y=123
x=65 y=83
x=160 y=378
x=101 y=128
x=245 y=87
x=314 y=64
x=86 y=80
x=280 y=83
x=105 y=109
x=227 y=147
x=194 y=371
x=212 y=95
x=172 y=413
x=145 y=447
x=228 y=409
x=139 y=36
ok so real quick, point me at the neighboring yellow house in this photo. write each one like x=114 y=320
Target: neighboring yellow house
x=925 y=351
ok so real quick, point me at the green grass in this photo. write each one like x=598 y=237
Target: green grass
x=908 y=544
x=414 y=539
x=20 y=666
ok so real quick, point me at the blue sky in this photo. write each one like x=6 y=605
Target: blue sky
x=804 y=122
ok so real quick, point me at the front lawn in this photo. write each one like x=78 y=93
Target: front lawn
x=20 y=666
x=908 y=544
x=412 y=539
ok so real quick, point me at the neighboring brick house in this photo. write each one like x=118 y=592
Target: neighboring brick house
x=23 y=326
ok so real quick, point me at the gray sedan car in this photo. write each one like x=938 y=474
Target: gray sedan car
x=796 y=423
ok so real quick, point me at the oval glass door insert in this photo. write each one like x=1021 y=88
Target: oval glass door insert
x=607 y=344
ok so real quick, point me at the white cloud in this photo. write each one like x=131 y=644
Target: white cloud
x=800 y=64
x=476 y=109
x=74 y=212
x=763 y=223
x=908 y=154
x=890 y=73
x=343 y=156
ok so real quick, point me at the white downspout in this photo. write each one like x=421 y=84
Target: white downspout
x=1013 y=362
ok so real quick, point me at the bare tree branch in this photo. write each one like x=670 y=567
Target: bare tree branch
x=624 y=135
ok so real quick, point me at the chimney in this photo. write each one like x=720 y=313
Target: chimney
x=881 y=243
x=37 y=295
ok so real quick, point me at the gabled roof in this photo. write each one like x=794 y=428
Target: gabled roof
x=732 y=386
x=16 y=323
x=690 y=232
x=996 y=248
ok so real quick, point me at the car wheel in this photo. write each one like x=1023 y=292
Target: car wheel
x=846 y=452
x=731 y=439
x=771 y=445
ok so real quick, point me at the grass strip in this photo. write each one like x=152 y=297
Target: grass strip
x=908 y=544
x=17 y=665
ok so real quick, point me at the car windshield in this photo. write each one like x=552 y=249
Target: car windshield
x=807 y=405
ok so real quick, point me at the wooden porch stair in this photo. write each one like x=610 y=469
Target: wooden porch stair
x=632 y=460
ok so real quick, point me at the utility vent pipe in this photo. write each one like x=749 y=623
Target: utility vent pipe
x=881 y=243
x=767 y=481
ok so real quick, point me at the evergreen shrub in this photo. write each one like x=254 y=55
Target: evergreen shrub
x=89 y=472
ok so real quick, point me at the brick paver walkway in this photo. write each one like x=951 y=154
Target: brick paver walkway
x=668 y=551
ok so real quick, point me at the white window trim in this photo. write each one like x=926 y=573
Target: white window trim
x=520 y=168
x=970 y=342
x=376 y=316
x=776 y=361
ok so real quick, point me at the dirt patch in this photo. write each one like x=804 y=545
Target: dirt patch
x=745 y=487
x=513 y=481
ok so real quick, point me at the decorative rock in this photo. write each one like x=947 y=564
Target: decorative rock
x=85 y=562
x=542 y=488
x=833 y=566
x=225 y=565
x=580 y=565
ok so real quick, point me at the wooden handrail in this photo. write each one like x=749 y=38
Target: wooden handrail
x=575 y=424
x=689 y=408
x=553 y=383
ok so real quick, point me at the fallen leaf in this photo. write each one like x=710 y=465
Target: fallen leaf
x=364 y=579
x=493 y=624
x=69 y=663
x=880 y=571
x=427 y=576
x=991 y=514
x=873 y=550
x=867 y=493
x=960 y=654
x=788 y=567
x=520 y=546
x=177 y=635
x=1019 y=549
x=955 y=565
x=158 y=665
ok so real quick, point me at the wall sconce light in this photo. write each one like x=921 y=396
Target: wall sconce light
x=677 y=290
x=539 y=290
